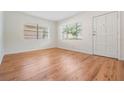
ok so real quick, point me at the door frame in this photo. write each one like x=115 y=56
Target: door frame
x=118 y=32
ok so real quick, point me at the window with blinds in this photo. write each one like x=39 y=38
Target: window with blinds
x=35 y=32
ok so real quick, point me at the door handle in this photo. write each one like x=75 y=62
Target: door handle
x=94 y=34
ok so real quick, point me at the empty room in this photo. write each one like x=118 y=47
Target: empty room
x=61 y=45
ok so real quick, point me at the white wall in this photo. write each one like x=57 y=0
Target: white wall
x=84 y=45
x=122 y=34
x=1 y=36
x=14 y=33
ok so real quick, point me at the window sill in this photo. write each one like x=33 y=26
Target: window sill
x=73 y=39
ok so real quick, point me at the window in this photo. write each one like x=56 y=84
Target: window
x=71 y=32
x=35 y=32
x=42 y=32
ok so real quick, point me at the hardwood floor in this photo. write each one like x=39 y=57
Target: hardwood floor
x=59 y=64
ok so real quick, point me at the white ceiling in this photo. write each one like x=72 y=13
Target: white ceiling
x=52 y=15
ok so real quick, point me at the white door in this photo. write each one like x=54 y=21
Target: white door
x=105 y=37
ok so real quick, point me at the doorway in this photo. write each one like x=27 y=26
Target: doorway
x=105 y=35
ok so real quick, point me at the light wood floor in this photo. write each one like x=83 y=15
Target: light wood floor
x=60 y=64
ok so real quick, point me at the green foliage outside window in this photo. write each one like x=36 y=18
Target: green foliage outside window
x=72 y=31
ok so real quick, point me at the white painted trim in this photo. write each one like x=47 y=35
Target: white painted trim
x=92 y=35
x=119 y=35
x=75 y=50
x=121 y=59
x=118 y=27
x=8 y=53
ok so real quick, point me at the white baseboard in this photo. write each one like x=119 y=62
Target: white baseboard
x=22 y=51
x=76 y=50
x=121 y=59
